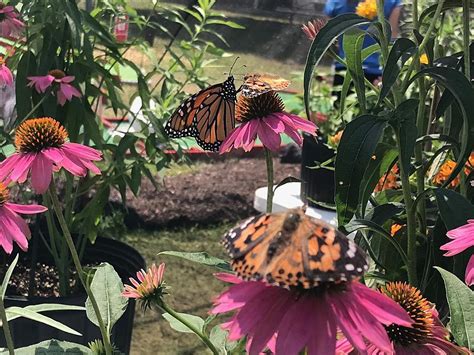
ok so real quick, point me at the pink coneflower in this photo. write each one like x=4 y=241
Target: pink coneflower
x=148 y=287
x=312 y=28
x=307 y=318
x=41 y=147
x=463 y=238
x=64 y=90
x=10 y=25
x=426 y=336
x=12 y=227
x=6 y=76
x=263 y=116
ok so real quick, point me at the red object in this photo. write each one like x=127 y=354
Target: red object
x=121 y=28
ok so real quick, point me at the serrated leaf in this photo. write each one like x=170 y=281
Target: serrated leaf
x=200 y=258
x=461 y=307
x=195 y=321
x=107 y=289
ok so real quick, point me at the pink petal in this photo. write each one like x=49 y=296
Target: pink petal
x=41 y=173
x=13 y=231
x=54 y=154
x=26 y=209
x=68 y=91
x=323 y=342
x=41 y=83
x=83 y=151
x=274 y=123
x=73 y=165
x=250 y=137
x=470 y=271
x=5 y=241
x=8 y=165
x=264 y=330
x=298 y=122
x=6 y=76
x=269 y=137
x=228 y=143
x=380 y=306
x=237 y=296
x=227 y=277
x=61 y=98
x=22 y=167
x=294 y=331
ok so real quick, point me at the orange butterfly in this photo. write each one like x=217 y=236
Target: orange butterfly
x=291 y=249
x=258 y=84
x=208 y=116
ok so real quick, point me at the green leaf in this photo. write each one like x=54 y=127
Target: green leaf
x=463 y=92
x=49 y=307
x=385 y=156
x=404 y=120
x=25 y=68
x=454 y=208
x=448 y=5
x=8 y=275
x=53 y=347
x=321 y=43
x=218 y=337
x=461 y=307
x=403 y=49
x=355 y=151
x=200 y=258
x=107 y=289
x=195 y=321
x=15 y=312
x=353 y=41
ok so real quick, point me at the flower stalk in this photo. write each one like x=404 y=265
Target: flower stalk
x=167 y=309
x=270 y=191
x=6 y=328
x=77 y=263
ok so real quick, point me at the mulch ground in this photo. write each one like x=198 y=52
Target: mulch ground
x=212 y=192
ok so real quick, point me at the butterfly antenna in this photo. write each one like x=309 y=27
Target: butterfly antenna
x=232 y=67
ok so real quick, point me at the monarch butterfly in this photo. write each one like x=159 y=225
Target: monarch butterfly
x=208 y=116
x=291 y=249
x=257 y=84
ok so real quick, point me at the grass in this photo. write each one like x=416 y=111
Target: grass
x=191 y=286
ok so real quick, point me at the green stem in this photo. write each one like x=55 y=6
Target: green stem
x=6 y=328
x=411 y=219
x=35 y=107
x=269 y=161
x=420 y=174
x=384 y=40
x=416 y=24
x=466 y=38
x=416 y=58
x=77 y=263
x=164 y=307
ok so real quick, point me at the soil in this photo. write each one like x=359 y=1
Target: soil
x=213 y=192
x=46 y=281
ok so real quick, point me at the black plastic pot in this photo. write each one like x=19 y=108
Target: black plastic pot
x=126 y=261
x=317 y=185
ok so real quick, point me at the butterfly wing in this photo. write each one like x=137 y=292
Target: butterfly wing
x=302 y=253
x=208 y=116
x=258 y=84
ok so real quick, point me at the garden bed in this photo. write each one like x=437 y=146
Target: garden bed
x=208 y=193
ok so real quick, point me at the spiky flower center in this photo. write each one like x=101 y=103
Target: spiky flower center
x=37 y=134
x=419 y=310
x=58 y=74
x=258 y=107
x=4 y=194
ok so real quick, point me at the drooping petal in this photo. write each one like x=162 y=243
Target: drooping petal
x=228 y=143
x=26 y=209
x=470 y=271
x=324 y=319
x=68 y=79
x=227 y=277
x=294 y=330
x=382 y=307
x=40 y=83
x=250 y=136
x=13 y=231
x=73 y=165
x=237 y=296
x=41 y=173
x=54 y=154
x=23 y=166
x=83 y=151
x=7 y=166
x=274 y=123
x=269 y=137
x=66 y=93
x=6 y=76
x=5 y=241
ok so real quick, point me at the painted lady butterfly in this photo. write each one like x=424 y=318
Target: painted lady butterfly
x=291 y=249
x=258 y=84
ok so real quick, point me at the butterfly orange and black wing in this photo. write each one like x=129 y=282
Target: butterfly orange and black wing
x=259 y=84
x=208 y=116
x=291 y=249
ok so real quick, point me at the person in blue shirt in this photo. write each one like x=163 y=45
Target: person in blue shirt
x=371 y=65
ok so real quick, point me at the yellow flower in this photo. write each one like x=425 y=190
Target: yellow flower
x=395 y=228
x=367 y=9
x=335 y=139
x=424 y=59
